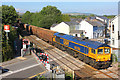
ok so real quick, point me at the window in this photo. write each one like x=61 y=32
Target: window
x=113 y=41
x=113 y=28
x=107 y=50
x=118 y=35
x=75 y=35
x=92 y=51
x=100 y=51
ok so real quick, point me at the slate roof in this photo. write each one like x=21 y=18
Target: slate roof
x=105 y=18
x=72 y=23
x=96 y=23
x=76 y=31
x=89 y=43
x=54 y=25
x=78 y=20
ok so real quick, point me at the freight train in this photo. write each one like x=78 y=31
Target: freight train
x=93 y=53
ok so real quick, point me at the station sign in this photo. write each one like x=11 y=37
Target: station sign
x=7 y=28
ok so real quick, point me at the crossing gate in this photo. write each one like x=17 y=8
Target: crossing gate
x=26 y=43
x=45 y=58
x=42 y=58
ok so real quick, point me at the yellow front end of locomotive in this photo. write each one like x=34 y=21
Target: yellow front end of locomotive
x=103 y=54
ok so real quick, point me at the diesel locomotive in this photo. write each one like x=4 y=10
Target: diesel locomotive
x=94 y=53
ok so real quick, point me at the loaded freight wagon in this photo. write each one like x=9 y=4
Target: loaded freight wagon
x=42 y=33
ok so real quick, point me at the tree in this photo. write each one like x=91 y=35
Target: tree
x=36 y=18
x=45 y=18
x=65 y=18
x=9 y=14
x=92 y=15
x=50 y=15
x=26 y=18
x=7 y=47
x=0 y=13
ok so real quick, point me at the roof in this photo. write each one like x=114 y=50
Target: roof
x=105 y=18
x=76 y=31
x=54 y=25
x=92 y=17
x=72 y=23
x=78 y=20
x=86 y=42
x=95 y=23
x=115 y=17
x=101 y=21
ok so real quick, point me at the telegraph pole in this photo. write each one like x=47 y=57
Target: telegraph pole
x=7 y=36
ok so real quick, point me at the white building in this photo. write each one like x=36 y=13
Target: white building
x=115 y=32
x=61 y=28
x=93 y=29
x=71 y=28
x=103 y=19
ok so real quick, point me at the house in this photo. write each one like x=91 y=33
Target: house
x=115 y=32
x=93 y=28
x=77 y=33
x=61 y=28
x=103 y=19
x=71 y=28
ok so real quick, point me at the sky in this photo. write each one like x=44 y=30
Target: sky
x=99 y=8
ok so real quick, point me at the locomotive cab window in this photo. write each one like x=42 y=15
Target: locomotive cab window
x=107 y=50
x=100 y=51
x=93 y=51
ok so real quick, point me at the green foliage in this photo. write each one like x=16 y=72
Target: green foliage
x=118 y=65
x=0 y=13
x=68 y=76
x=79 y=16
x=65 y=18
x=36 y=18
x=26 y=18
x=109 y=16
x=114 y=58
x=7 y=48
x=9 y=14
x=92 y=15
x=50 y=15
x=45 y=18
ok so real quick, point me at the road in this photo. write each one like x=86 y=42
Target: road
x=22 y=68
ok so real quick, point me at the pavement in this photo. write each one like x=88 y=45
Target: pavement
x=20 y=68
x=24 y=67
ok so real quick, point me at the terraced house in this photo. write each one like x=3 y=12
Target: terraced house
x=93 y=28
x=115 y=32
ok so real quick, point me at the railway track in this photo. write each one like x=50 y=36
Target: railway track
x=80 y=68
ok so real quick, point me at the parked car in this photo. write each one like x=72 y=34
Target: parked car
x=1 y=70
